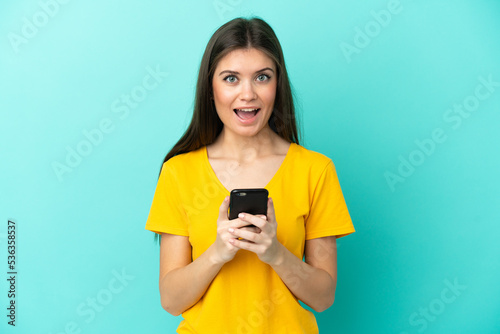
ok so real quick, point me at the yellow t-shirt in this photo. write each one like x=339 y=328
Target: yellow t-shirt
x=247 y=296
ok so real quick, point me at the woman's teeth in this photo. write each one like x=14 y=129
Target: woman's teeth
x=246 y=110
x=246 y=113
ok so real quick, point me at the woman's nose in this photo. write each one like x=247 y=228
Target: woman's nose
x=247 y=91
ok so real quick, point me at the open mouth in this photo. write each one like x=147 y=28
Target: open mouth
x=246 y=113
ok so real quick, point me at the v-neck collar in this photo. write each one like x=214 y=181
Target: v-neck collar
x=270 y=183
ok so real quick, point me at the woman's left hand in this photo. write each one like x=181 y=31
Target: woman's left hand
x=264 y=244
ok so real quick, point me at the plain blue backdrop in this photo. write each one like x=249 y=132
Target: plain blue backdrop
x=403 y=96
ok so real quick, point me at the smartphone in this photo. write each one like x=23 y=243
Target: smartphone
x=253 y=201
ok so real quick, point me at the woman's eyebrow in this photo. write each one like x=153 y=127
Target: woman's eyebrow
x=234 y=72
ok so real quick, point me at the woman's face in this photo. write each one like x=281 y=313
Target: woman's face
x=244 y=89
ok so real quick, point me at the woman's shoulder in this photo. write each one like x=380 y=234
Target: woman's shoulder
x=310 y=157
x=310 y=164
x=182 y=160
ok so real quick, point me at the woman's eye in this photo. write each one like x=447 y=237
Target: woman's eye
x=263 y=77
x=230 y=78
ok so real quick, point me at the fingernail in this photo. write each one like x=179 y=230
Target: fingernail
x=231 y=230
x=241 y=215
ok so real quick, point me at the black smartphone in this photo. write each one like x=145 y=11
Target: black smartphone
x=253 y=201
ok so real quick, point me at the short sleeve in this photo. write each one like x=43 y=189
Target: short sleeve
x=328 y=214
x=166 y=214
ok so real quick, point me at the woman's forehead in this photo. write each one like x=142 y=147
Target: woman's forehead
x=245 y=60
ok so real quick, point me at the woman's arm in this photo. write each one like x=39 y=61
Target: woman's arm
x=183 y=281
x=313 y=281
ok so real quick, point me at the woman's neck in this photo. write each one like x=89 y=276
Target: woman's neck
x=245 y=149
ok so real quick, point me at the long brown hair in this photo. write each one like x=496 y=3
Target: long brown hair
x=206 y=125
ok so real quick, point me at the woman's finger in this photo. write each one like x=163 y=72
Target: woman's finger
x=253 y=229
x=247 y=235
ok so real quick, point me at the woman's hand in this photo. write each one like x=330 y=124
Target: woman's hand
x=223 y=249
x=264 y=243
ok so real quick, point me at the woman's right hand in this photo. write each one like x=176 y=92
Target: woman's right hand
x=223 y=250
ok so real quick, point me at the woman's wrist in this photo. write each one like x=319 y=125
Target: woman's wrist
x=213 y=257
x=279 y=257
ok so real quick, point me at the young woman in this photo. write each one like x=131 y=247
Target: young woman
x=220 y=274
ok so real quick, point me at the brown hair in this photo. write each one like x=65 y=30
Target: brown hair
x=237 y=34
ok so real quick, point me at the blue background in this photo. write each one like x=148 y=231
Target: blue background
x=436 y=226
